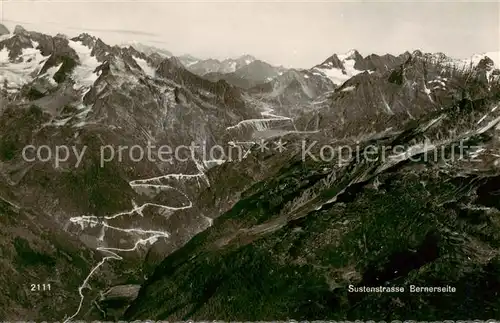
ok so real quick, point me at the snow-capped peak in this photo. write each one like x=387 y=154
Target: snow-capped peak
x=351 y=54
x=476 y=58
x=339 y=67
x=247 y=59
x=228 y=65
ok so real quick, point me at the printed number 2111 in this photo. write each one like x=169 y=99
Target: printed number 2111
x=40 y=287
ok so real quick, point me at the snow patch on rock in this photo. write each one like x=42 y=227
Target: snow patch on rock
x=23 y=70
x=146 y=68
x=337 y=75
x=84 y=74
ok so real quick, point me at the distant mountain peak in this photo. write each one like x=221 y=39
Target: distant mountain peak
x=351 y=54
x=19 y=30
x=417 y=52
x=486 y=63
x=247 y=57
x=86 y=39
x=340 y=67
x=86 y=36
x=492 y=56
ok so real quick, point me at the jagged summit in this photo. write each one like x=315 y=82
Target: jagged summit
x=19 y=30
x=493 y=56
x=340 y=67
x=417 y=52
x=61 y=35
x=86 y=39
x=246 y=59
x=351 y=54
x=486 y=63
x=332 y=61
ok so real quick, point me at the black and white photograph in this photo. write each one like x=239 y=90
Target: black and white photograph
x=249 y=161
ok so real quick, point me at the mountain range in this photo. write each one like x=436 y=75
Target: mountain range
x=280 y=231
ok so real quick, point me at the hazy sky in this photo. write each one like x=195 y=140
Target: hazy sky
x=291 y=33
